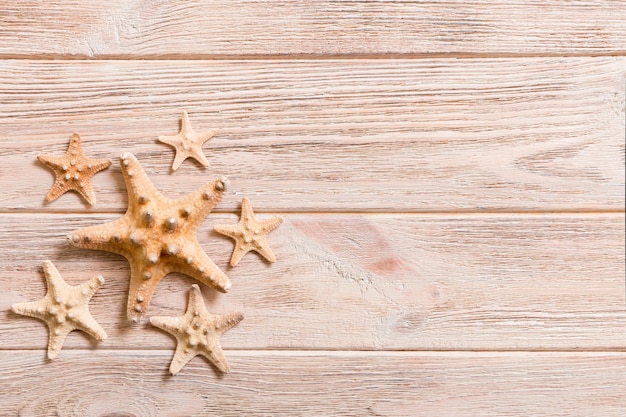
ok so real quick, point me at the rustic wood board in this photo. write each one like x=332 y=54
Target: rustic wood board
x=140 y=29
x=451 y=384
x=479 y=282
x=451 y=175
x=370 y=135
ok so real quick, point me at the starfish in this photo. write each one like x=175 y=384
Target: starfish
x=157 y=235
x=64 y=308
x=73 y=171
x=249 y=234
x=187 y=143
x=197 y=332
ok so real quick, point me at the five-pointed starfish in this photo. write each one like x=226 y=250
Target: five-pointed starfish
x=157 y=235
x=64 y=308
x=188 y=144
x=73 y=171
x=197 y=332
x=249 y=234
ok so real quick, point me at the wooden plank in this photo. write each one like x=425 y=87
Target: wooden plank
x=401 y=135
x=92 y=28
x=358 y=282
x=134 y=383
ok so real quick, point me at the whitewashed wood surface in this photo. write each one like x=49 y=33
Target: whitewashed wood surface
x=270 y=383
x=365 y=135
x=451 y=175
x=160 y=29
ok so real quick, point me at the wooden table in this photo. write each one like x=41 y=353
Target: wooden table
x=451 y=175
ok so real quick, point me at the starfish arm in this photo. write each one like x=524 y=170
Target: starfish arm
x=138 y=184
x=200 y=202
x=170 y=140
x=270 y=224
x=197 y=264
x=171 y=325
x=56 y=164
x=230 y=230
x=246 y=210
x=105 y=237
x=236 y=232
x=264 y=250
x=75 y=145
x=34 y=309
x=58 y=189
x=198 y=155
x=238 y=253
x=56 y=337
x=87 y=192
x=84 y=187
x=179 y=159
x=216 y=356
x=88 y=288
x=55 y=283
x=227 y=321
x=177 y=143
x=86 y=323
x=98 y=165
x=182 y=356
x=185 y=124
x=144 y=279
x=204 y=137
x=195 y=303
x=53 y=162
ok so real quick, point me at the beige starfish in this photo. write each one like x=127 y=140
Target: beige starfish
x=157 y=235
x=197 y=332
x=73 y=171
x=64 y=308
x=188 y=144
x=249 y=234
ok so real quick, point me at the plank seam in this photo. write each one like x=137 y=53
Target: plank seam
x=346 y=352
x=305 y=57
x=444 y=213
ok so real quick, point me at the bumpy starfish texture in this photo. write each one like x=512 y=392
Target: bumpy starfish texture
x=64 y=308
x=73 y=171
x=249 y=234
x=157 y=235
x=197 y=332
x=188 y=144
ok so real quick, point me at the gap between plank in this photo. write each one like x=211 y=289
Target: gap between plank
x=425 y=213
x=304 y=57
x=364 y=353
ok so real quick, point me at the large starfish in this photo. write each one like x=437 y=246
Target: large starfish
x=197 y=332
x=73 y=171
x=188 y=144
x=249 y=234
x=64 y=308
x=157 y=235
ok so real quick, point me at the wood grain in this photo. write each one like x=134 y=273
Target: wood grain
x=367 y=135
x=123 y=383
x=451 y=175
x=122 y=28
x=353 y=282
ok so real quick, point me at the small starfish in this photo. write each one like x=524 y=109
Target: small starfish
x=157 y=235
x=188 y=144
x=197 y=332
x=73 y=171
x=64 y=308
x=249 y=234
